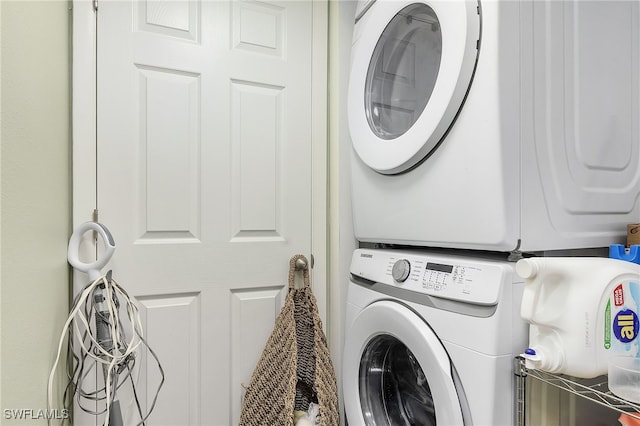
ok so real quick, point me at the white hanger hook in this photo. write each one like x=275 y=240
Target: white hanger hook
x=73 y=254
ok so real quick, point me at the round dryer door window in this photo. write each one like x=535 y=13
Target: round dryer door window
x=397 y=372
x=412 y=64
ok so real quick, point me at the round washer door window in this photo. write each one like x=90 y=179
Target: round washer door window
x=396 y=371
x=412 y=64
x=393 y=385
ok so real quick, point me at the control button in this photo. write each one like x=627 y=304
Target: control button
x=401 y=270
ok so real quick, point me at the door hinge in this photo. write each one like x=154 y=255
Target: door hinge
x=95 y=5
x=95 y=215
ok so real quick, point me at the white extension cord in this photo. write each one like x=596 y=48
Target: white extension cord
x=122 y=349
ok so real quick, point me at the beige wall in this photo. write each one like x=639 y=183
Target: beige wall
x=36 y=197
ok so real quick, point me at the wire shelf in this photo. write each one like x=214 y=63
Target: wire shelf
x=598 y=393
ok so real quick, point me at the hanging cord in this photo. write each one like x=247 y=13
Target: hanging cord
x=103 y=345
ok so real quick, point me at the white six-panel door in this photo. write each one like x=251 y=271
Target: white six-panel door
x=206 y=174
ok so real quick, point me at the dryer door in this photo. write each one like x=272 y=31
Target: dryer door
x=396 y=371
x=412 y=64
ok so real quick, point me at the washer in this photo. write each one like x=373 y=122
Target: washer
x=495 y=125
x=431 y=339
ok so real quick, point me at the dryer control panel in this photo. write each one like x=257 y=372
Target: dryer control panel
x=465 y=279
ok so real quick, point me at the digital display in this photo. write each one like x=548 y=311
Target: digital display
x=439 y=267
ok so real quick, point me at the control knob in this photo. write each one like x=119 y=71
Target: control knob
x=401 y=270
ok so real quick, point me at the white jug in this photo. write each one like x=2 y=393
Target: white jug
x=581 y=311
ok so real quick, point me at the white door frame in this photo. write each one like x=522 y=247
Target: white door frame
x=84 y=133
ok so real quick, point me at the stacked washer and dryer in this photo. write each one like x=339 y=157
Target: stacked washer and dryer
x=482 y=131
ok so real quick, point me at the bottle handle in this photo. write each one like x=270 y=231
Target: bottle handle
x=528 y=269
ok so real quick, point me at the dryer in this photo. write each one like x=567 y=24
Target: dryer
x=495 y=125
x=430 y=338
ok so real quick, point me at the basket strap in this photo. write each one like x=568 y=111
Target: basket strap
x=292 y=271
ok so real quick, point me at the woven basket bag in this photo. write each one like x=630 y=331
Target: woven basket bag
x=295 y=367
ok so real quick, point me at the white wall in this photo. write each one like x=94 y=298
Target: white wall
x=35 y=187
x=342 y=242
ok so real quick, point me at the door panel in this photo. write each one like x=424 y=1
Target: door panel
x=251 y=315
x=204 y=176
x=180 y=403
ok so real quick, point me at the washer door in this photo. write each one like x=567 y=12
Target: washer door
x=396 y=371
x=412 y=64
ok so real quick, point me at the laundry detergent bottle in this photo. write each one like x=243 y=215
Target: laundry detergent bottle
x=581 y=311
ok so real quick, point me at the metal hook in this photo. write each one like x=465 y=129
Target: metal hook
x=301 y=264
